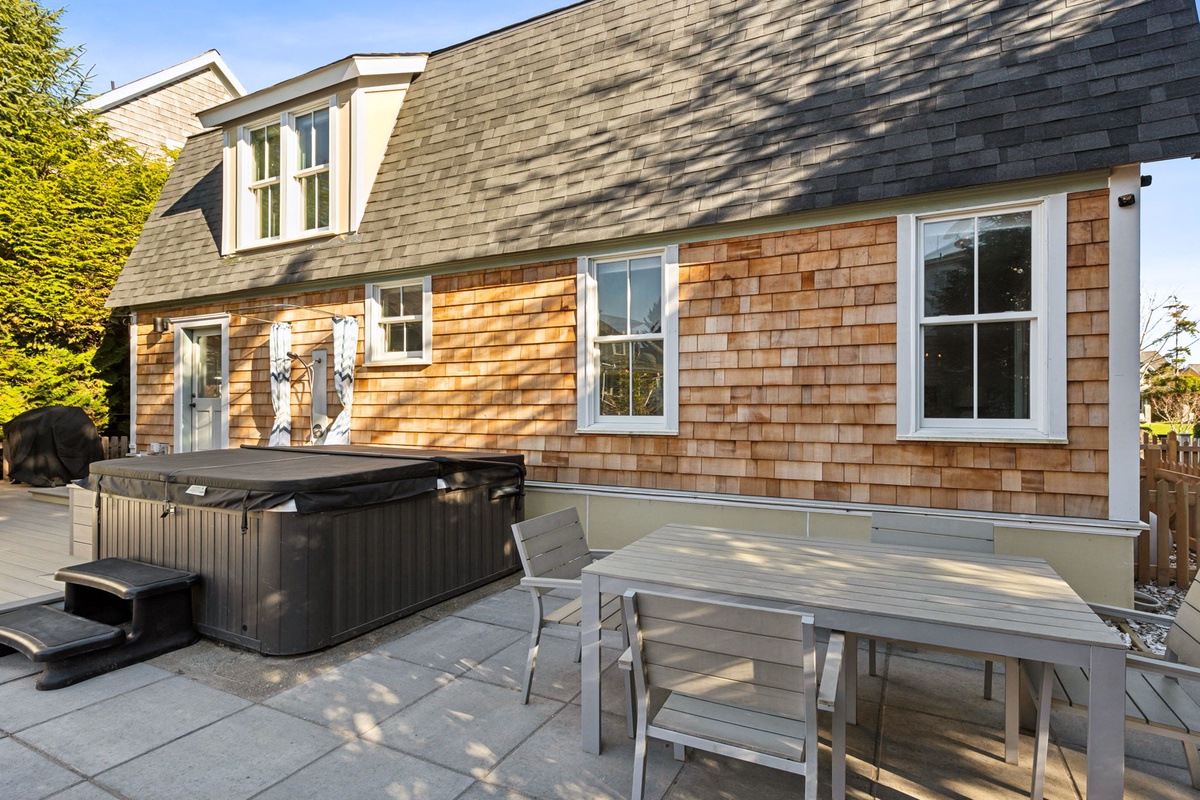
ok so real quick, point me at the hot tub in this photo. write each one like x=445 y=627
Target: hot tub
x=303 y=548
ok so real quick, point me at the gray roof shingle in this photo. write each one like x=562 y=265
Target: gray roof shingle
x=618 y=118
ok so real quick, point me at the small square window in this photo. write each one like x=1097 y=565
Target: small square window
x=399 y=322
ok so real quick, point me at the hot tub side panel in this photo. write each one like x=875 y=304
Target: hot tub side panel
x=240 y=573
x=300 y=582
x=380 y=563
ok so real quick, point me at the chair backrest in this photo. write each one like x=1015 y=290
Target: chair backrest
x=552 y=545
x=758 y=658
x=1183 y=637
x=937 y=533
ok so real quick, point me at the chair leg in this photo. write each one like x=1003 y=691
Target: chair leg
x=850 y=671
x=579 y=647
x=1041 y=746
x=680 y=752
x=630 y=706
x=1193 y=762
x=987 y=680
x=535 y=637
x=871 y=666
x=639 y=766
x=838 y=737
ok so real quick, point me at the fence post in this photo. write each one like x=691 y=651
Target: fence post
x=1152 y=456
x=1183 y=527
x=1163 y=565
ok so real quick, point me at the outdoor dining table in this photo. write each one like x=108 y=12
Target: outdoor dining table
x=995 y=604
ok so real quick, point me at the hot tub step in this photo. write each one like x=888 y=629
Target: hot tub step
x=71 y=647
x=116 y=612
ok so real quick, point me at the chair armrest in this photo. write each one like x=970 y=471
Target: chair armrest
x=551 y=583
x=1171 y=669
x=1130 y=614
x=831 y=675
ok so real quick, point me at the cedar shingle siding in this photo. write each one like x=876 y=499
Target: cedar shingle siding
x=787 y=379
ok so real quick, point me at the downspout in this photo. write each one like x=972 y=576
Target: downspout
x=1124 y=307
x=133 y=368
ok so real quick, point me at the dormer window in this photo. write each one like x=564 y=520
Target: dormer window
x=300 y=157
x=312 y=139
x=288 y=177
x=264 y=145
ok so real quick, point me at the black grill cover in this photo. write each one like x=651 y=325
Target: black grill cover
x=50 y=446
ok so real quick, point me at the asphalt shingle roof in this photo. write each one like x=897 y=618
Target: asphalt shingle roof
x=617 y=118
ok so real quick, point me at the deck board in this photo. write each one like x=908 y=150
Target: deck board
x=34 y=543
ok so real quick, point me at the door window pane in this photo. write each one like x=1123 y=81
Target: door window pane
x=1006 y=262
x=208 y=366
x=949 y=267
x=1004 y=370
x=949 y=378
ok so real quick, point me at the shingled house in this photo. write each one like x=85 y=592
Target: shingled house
x=159 y=110
x=772 y=265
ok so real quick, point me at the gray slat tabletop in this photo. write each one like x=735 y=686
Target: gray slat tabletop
x=999 y=604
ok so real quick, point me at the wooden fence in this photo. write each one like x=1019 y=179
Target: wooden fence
x=115 y=446
x=1170 y=487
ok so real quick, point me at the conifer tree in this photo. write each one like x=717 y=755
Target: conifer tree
x=72 y=203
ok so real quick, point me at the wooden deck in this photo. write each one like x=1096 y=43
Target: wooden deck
x=34 y=537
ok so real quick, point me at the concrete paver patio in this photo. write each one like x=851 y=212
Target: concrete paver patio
x=427 y=708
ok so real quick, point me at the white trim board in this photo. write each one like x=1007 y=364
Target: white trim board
x=1125 y=529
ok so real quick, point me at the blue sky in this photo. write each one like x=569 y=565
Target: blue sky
x=267 y=41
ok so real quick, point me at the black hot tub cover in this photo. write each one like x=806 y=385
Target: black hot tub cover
x=313 y=478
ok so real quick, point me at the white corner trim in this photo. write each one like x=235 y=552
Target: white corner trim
x=207 y=60
x=133 y=382
x=1124 y=307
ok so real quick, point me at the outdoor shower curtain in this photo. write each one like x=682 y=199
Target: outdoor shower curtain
x=345 y=347
x=281 y=383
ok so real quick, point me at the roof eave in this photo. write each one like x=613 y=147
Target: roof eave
x=347 y=69
x=210 y=59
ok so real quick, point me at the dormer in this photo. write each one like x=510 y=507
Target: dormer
x=300 y=157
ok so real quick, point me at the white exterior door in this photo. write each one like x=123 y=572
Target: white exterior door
x=201 y=387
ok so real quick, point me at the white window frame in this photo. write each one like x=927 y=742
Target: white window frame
x=376 y=349
x=291 y=199
x=588 y=353
x=1048 y=332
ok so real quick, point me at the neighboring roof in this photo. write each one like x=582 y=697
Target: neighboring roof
x=618 y=118
x=323 y=78
x=210 y=59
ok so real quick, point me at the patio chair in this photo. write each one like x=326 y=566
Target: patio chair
x=739 y=680
x=554 y=551
x=962 y=536
x=1155 y=702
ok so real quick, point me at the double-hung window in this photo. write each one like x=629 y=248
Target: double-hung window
x=982 y=323
x=312 y=167
x=287 y=177
x=265 y=185
x=399 y=329
x=628 y=343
